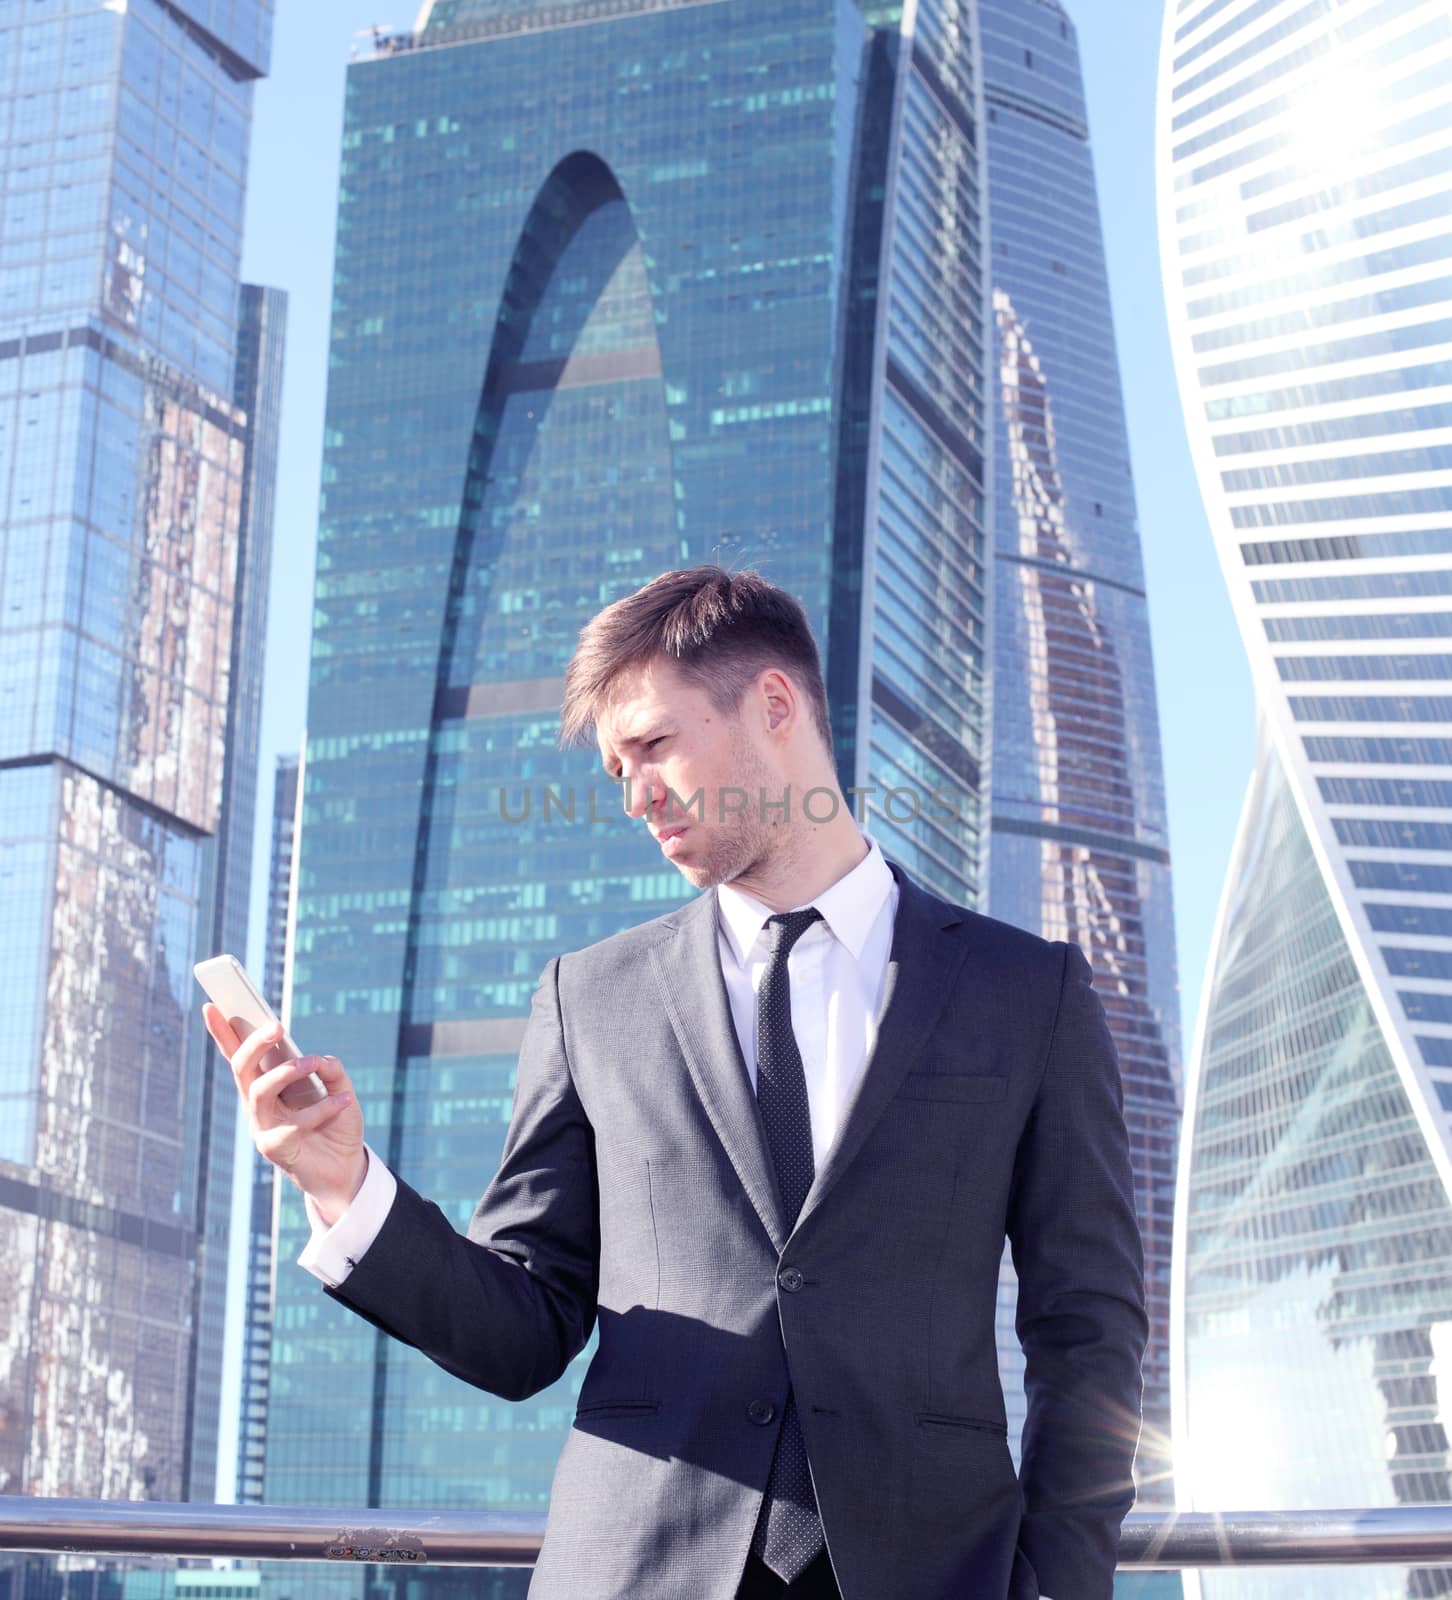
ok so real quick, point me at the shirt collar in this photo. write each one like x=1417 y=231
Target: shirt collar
x=849 y=907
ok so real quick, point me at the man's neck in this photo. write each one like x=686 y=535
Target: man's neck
x=806 y=865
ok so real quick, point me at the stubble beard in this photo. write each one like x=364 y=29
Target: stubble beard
x=744 y=842
x=741 y=845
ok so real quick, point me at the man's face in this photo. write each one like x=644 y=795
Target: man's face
x=694 y=775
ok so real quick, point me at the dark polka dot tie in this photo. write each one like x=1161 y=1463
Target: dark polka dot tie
x=788 y=1533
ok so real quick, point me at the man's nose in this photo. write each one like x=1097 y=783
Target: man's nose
x=638 y=793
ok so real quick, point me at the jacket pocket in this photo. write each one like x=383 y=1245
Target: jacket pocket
x=617 y=1408
x=935 y=1421
x=961 y=1478
x=960 y=1086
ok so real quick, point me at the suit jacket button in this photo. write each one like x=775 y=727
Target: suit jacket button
x=761 y=1412
x=790 y=1279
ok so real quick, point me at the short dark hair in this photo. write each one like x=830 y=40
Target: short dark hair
x=721 y=629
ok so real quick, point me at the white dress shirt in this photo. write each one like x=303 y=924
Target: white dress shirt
x=836 y=969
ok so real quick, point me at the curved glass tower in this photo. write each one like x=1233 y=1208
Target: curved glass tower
x=1079 y=846
x=1305 y=154
x=619 y=288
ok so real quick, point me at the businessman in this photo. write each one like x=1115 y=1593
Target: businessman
x=772 y=1144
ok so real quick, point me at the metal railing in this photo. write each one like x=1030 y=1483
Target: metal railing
x=1409 y=1535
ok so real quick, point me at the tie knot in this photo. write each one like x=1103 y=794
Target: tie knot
x=786 y=927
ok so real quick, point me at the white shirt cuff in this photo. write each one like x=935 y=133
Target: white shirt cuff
x=332 y=1252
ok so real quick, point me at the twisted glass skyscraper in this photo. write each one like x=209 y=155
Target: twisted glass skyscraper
x=621 y=286
x=137 y=423
x=1079 y=841
x=1305 y=153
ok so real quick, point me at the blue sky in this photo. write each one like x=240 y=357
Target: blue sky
x=1205 y=699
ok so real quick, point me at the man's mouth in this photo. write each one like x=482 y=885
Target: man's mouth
x=669 y=840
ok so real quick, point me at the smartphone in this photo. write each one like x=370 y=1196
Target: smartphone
x=230 y=989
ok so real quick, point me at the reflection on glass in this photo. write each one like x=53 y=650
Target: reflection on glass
x=97 y=1236
x=1078 y=845
x=1088 y=891
x=1317 y=1273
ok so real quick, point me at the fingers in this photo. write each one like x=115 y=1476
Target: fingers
x=282 y=1144
x=318 y=1115
x=220 y=1029
x=263 y=1090
x=330 y=1070
x=249 y=1058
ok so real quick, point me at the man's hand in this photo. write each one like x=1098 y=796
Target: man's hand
x=320 y=1146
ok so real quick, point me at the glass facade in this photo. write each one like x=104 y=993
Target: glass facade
x=135 y=447
x=262 y=1215
x=1303 y=205
x=262 y=325
x=615 y=293
x=1315 y=1294
x=279 y=879
x=1079 y=845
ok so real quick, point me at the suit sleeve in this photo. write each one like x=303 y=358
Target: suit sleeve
x=508 y=1305
x=1081 y=1308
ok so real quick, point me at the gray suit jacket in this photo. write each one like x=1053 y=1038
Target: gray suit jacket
x=636 y=1190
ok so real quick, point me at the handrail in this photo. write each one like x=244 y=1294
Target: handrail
x=268 y=1533
x=1161 y=1540
x=1373 y=1536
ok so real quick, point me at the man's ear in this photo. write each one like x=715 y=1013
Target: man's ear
x=780 y=696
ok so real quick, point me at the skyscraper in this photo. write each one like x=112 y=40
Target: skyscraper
x=262 y=1214
x=134 y=450
x=620 y=287
x=1079 y=845
x=1304 y=154
x=279 y=878
x=261 y=332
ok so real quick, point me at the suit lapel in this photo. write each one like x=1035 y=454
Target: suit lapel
x=693 y=991
x=922 y=968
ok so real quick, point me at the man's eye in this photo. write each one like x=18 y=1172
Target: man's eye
x=660 y=738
